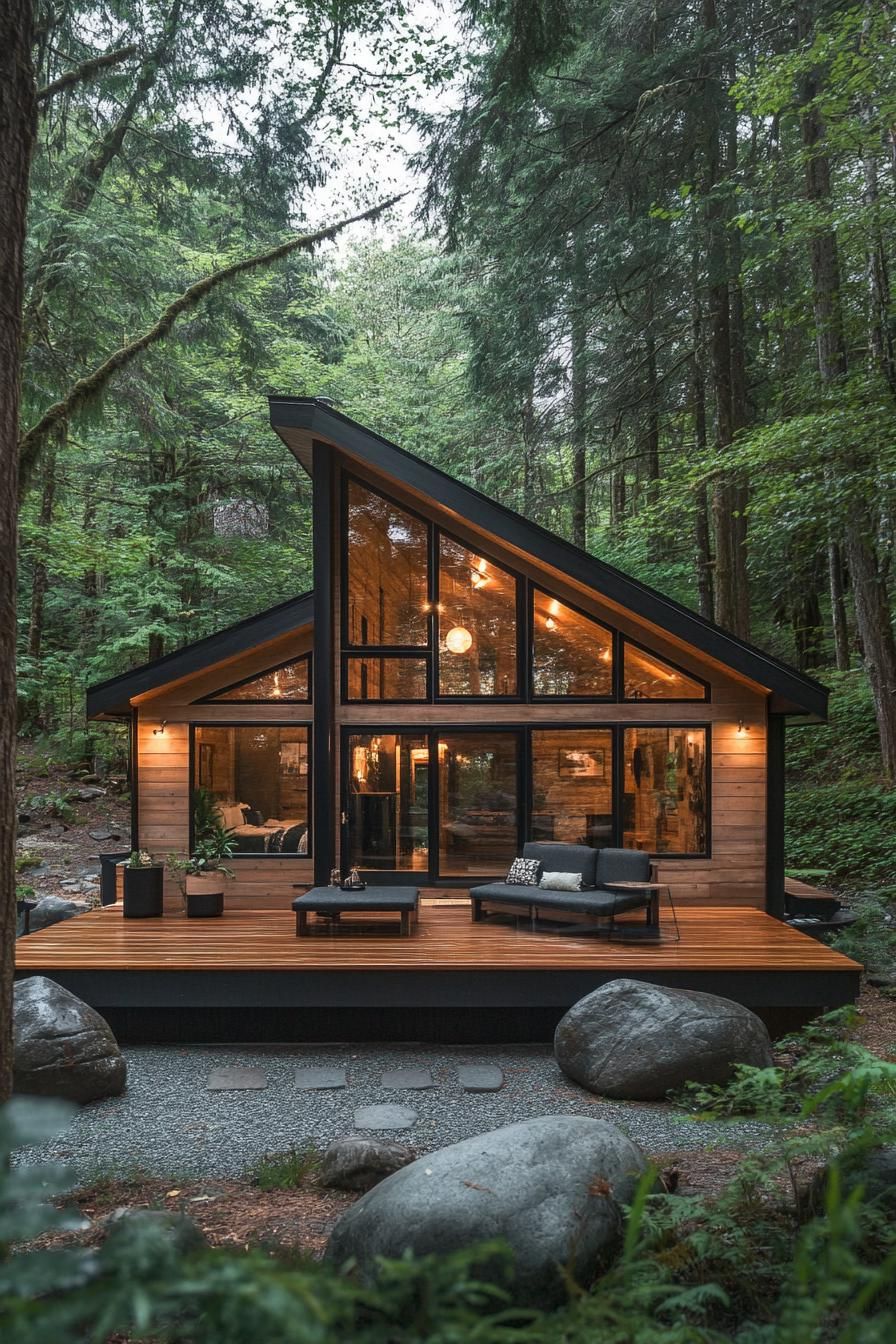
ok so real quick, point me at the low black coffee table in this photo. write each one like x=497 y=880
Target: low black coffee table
x=333 y=902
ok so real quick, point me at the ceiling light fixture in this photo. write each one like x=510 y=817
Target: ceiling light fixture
x=458 y=639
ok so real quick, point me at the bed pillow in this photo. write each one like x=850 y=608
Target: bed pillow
x=561 y=882
x=523 y=873
x=231 y=815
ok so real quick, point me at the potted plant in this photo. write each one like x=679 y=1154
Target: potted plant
x=143 y=879
x=204 y=873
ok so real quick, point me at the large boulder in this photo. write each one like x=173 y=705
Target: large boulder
x=550 y=1188
x=356 y=1163
x=52 y=910
x=62 y=1047
x=638 y=1042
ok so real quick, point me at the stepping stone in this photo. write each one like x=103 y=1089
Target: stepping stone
x=319 y=1080
x=480 y=1077
x=410 y=1079
x=384 y=1117
x=236 y=1079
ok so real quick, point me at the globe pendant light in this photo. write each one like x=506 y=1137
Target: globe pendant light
x=458 y=639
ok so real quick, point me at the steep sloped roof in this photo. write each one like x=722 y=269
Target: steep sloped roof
x=300 y=421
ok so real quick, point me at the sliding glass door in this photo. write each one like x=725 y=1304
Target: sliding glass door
x=479 y=802
x=386 y=811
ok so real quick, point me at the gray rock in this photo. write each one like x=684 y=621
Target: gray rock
x=234 y=1078
x=356 y=1163
x=85 y=795
x=53 y=909
x=102 y=835
x=385 y=1117
x=62 y=1047
x=320 y=1079
x=414 y=1080
x=551 y=1188
x=480 y=1077
x=637 y=1042
x=874 y=1171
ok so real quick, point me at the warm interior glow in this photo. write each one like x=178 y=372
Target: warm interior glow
x=458 y=639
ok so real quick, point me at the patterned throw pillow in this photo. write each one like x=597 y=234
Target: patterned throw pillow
x=561 y=882
x=524 y=873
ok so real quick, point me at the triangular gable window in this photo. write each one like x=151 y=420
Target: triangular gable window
x=572 y=655
x=289 y=682
x=648 y=677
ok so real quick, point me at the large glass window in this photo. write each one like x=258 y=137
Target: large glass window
x=572 y=655
x=290 y=682
x=387 y=796
x=572 y=785
x=664 y=791
x=394 y=679
x=388 y=568
x=650 y=678
x=477 y=624
x=256 y=779
x=478 y=803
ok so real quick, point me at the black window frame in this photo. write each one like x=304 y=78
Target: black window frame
x=308 y=725
x=615 y=638
x=431 y=734
x=624 y=699
x=523 y=668
x=214 y=697
x=347 y=645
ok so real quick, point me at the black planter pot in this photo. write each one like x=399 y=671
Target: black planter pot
x=143 y=892
x=204 y=904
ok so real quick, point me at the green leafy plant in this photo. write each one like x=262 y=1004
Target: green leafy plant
x=827 y=1073
x=140 y=858
x=55 y=804
x=28 y=858
x=288 y=1170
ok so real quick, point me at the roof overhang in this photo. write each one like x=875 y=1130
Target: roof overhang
x=112 y=699
x=300 y=421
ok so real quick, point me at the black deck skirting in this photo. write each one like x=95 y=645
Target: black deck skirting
x=459 y=1006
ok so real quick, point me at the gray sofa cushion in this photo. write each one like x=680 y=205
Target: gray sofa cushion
x=559 y=858
x=582 y=902
x=622 y=865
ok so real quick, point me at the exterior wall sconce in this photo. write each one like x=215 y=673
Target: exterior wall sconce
x=458 y=639
x=742 y=728
x=160 y=731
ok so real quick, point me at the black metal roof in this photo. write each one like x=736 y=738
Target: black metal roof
x=299 y=419
x=111 y=699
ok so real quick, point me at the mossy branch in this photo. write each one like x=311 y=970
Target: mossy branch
x=87 y=389
x=86 y=70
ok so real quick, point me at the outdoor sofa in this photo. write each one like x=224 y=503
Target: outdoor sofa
x=595 y=900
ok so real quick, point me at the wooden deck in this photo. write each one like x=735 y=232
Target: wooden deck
x=158 y=977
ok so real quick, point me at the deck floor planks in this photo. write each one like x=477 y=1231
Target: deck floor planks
x=712 y=938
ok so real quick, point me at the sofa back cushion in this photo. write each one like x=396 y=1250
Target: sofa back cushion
x=559 y=858
x=622 y=865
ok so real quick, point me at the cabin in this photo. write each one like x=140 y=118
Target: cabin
x=460 y=681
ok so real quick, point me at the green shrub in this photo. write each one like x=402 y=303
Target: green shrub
x=871 y=940
x=827 y=1072
x=286 y=1171
x=56 y=804
x=28 y=858
x=845 y=828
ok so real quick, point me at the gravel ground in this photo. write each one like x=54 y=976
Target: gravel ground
x=167 y=1124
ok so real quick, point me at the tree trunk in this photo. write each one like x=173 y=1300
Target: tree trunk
x=579 y=396
x=40 y=576
x=17 y=127
x=839 y=626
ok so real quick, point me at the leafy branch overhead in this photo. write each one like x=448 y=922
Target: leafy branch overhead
x=86 y=390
